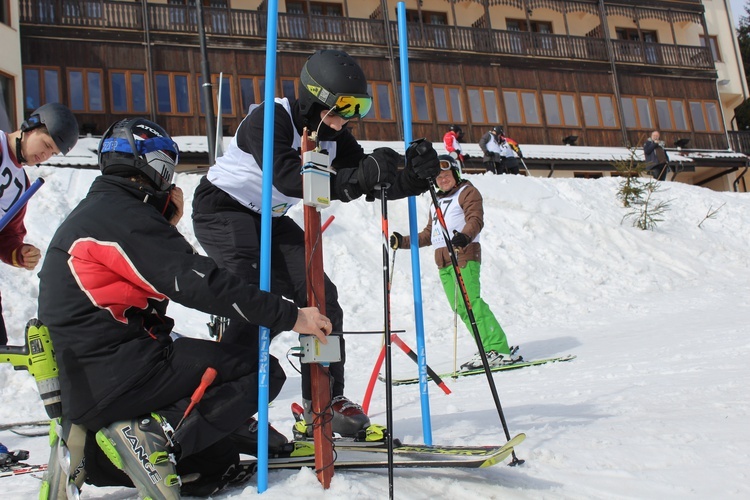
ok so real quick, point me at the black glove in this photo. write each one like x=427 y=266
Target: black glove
x=397 y=241
x=459 y=240
x=378 y=168
x=422 y=158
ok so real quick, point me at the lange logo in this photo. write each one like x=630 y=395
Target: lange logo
x=141 y=454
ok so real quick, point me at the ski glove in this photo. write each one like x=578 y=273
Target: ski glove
x=397 y=241
x=422 y=158
x=378 y=168
x=460 y=240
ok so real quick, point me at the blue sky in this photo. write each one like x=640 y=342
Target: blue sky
x=738 y=9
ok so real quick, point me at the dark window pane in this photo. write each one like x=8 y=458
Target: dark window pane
x=662 y=114
x=713 y=117
x=384 y=102
x=530 y=110
x=32 y=88
x=138 y=91
x=699 y=121
x=94 y=81
x=678 y=110
x=570 y=114
x=608 y=111
x=75 y=83
x=629 y=113
x=475 y=106
x=457 y=109
x=163 y=94
x=590 y=111
x=420 y=103
x=490 y=105
x=119 y=92
x=181 y=93
x=552 y=109
x=248 y=93
x=512 y=107
x=441 y=105
x=51 y=86
x=644 y=113
x=287 y=89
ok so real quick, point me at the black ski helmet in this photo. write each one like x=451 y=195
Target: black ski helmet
x=498 y=129
x=139 y=146
x=60 y=122
x=327 y=80
x=456 y=129
x=447 y=162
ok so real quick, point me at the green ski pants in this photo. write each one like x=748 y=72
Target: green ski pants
x=490 y=331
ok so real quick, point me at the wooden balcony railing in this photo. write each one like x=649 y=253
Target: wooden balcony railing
x=739 y=140
x=252 y=24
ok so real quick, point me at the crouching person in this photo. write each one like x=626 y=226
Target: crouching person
x=110 y=271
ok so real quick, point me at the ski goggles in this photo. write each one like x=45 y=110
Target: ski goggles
x=347 y=107
x=445 y=165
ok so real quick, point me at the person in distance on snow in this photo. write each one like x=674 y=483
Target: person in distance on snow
x=452 y=143
x=462 y=207
x=227 y=203
x=501 y=154
x=657 y=158
x=51 y=129
x=111 y=269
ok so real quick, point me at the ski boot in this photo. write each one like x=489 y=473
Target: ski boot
x=66 y=471
x=246 y=438
x=348 y=420
x=143 y=449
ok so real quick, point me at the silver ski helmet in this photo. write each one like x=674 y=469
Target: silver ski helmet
x=139 y=146
x=60 y=122
x=332 y=79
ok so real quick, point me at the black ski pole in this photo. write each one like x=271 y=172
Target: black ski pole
x=472 y=319
x=387 y=333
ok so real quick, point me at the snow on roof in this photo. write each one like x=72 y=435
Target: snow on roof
x=84 y=153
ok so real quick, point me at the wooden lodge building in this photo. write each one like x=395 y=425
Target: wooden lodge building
x=605 y=71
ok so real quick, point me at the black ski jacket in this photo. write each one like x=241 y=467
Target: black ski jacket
x=108 y=275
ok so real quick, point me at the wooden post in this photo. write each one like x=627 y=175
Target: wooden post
x=321 y=388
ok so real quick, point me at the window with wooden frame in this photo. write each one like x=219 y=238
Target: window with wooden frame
x=598 y=111
x=420 y=105
x=428 y=17
x=128 y=91
x=227 y=102
x=41 y=85
x=448 y=103
x=521 y=107
x=289 y=88
x=5 y=12
x=713 y=42
x=85 y=92
x=251 y=91
x=521 y=25
x=560 y=109
x=671 y=114
x=173 y=93
x=483 y=105
x=637 y=112
x=7 y=103
x=705 y=116
x=382 y=101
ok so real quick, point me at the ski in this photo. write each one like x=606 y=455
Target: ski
x=19 y=468
x=514 y=366
x=31 y=423
x=407 y=456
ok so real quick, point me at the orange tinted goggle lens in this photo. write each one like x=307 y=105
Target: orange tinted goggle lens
x=445 y=165
x=350 y=106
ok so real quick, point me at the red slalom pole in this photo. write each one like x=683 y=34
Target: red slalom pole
x=327 y=223
x=373 y=378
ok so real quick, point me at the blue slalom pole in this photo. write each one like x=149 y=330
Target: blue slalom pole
x=403 y=51
x=265 y=240
x=20 y=202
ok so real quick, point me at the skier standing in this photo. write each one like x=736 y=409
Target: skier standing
x=501 y=154
x=227 y=202
x=462 y=207
x=451 y=141
x=51 y=129
x=111 y=269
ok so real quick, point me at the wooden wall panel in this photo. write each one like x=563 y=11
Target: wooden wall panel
x=517 y=78
x=480 y=75
x=124 y=57
x=596 y=83
x=561 y=81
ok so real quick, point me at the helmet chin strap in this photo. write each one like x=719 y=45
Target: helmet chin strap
x=19 y=154
x=317 y=131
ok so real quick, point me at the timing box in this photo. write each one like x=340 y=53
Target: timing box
x=314 y=351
